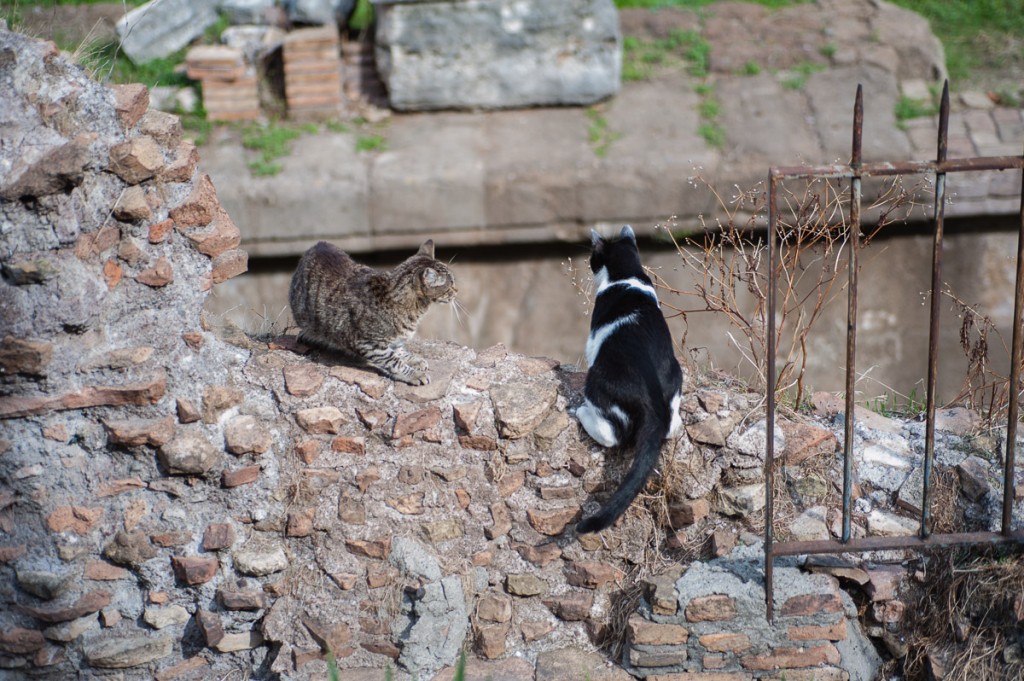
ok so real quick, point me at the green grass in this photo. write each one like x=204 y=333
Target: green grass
x=682 y=49
x=704 y=89
x=212 y=33
x=196 y=125
x=598 y=132
x=975 y=33
x=273 y=141
x=697 y=4
x=898 y=405
x=51 y=3
x=712 y=133
x=828 y=50
x=751 y=68
x=798 y=75
x=372 y=142
x=107 y=63
x=362 y=16
x=907 y=108
x=709 y=110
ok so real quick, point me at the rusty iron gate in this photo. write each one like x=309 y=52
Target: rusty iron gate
x=854 y=172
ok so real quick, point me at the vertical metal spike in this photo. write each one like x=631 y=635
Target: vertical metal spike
x=769 y=445
x=851 y=311
x=935 y=313
x=1016 y=352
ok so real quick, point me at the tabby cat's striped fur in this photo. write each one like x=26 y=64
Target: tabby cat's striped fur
x=367 y=314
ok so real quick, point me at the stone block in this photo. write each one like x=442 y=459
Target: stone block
x=443 y=55
x=315 y=12
x=643 y=632
x=136 y=160
x=414 y=422
x=818 y=632
x=138 y=432
x=194 y=570
x=22 y=356
x=87 y=604
x=126 y=651
x=571 y=607
x=811 y=604
x=525 y=585
x=711 y=608
x=160 y=28
x=551 y=522
x=791 y=658
x=131 y=100
x=725 y=642
x=239 y=476
x=575 y=664
x=316 y=420
x=661 y=657
x=159 y=275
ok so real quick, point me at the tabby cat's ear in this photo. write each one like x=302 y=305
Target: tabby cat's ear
x=627 y=233
x=427 y=248
x=432 y=277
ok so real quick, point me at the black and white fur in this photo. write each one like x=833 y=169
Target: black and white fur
x=634 y=385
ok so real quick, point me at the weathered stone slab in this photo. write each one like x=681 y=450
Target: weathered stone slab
x=489 y=54
x=162 y=27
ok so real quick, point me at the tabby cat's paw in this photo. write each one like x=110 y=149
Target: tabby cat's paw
x=417 y=378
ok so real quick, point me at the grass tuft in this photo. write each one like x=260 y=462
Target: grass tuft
x=273 y=142
x=796 y=77
x=371 y=143
x=598 y=132
x=907 y=108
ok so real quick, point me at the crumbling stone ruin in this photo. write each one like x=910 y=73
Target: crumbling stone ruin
x=182 y=503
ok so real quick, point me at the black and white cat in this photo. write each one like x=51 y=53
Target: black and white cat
x=634 y=385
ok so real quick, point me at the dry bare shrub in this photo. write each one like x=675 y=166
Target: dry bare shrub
x=730 y=253
x=969 y=616
x=985 y=389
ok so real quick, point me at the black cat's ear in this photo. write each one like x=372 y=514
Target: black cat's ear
x=427 y=248
x=595 y=238
x=432 y=277
x=627 y=233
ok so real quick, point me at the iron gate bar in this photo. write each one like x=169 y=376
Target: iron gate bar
x=797 y=548
x=933 y=328
x=851 y=309
x=1016 y=353
x=855 y=171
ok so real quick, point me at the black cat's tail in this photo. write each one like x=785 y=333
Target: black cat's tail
x=649 y=438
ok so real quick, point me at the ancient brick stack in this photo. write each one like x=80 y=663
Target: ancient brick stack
x=230 y=90
x=709 y=623
x=312 y=73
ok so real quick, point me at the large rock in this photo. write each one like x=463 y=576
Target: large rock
x=434 y=626
x=318 y=11
x=121 y=652
x=495 y=54
x=247 y=11
x=162 y=27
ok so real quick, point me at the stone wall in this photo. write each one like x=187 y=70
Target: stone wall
x=179 y=503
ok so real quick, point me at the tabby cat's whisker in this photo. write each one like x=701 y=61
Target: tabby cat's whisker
x=458 y=309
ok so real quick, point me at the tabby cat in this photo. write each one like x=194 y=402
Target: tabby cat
x=367 y=314
x=633 y=387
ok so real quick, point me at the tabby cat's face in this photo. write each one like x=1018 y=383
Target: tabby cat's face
x=436 y=281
